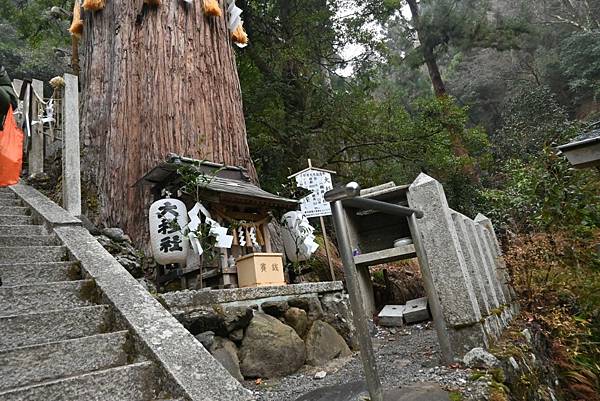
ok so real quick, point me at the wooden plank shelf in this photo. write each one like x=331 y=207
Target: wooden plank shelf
x=386 y=255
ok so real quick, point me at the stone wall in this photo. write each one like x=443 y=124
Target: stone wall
x=268 y=331
x=465 y=277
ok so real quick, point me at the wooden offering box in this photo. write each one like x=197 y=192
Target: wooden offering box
x=260 y=269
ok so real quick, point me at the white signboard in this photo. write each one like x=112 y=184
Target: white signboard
x=319 y=182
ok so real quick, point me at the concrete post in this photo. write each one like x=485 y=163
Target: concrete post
x=36 y=153
x=496 y=249
x=70 y=150
x=447 y=267
x=491 y=283
x=474 y=268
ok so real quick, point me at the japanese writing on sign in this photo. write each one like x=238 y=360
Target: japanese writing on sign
x=168 y=214
x=318 y=182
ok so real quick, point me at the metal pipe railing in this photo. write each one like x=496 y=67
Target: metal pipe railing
x=349 y=195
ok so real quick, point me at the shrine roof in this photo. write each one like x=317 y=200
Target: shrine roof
x=224 y=183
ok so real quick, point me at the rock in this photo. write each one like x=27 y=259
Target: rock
x=320 y=375
x=225 y=351
x=527 y=334
x=148 y=285
x=88 y=225
x=275 y=308
x=237 y=335
x=480 y=358
x=270 y=349
x=298 y=320
x=116 y=234
x=236 y=317
x=310 y=304
x=207 y=339
x=132 y=264
x=221 y=321
x=323 y=344
x=337 y=312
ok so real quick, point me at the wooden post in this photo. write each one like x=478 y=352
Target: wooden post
x=70 y=149
x=36 y=154
x=327 y=250
x=17 y=85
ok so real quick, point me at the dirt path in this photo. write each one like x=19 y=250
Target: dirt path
x=404 y=356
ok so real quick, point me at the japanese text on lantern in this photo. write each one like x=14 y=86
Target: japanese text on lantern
x=168 y=214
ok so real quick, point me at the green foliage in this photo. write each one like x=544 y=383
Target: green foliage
x=532 y=121
x=580 y=63
x=35 y=42
x=545 y=194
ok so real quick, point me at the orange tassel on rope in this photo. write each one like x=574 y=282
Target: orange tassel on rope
x=211 y=7
x=239 y=35
x=155 y=3
x=76 y=28
x=93 y=5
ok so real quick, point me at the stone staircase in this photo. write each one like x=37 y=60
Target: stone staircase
x=58 y=340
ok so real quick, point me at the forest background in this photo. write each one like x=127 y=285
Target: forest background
x=476 y=93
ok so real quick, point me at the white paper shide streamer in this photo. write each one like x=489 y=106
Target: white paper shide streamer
x=298 y=237
x=220 y=233
x=235 y=19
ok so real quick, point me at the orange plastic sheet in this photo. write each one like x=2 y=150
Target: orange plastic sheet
x=11 y=151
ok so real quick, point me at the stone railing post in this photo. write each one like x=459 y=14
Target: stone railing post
x=70 y=149
x=36 y=154
x=496 y=251
x=451 y=285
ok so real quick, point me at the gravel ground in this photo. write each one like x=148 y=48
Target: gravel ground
x=404 y=356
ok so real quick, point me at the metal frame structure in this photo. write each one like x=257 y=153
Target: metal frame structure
x=348 y=195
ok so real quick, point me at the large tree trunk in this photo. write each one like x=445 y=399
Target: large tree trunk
x=155 y=80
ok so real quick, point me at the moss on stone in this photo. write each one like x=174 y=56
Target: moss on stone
x=90 y=292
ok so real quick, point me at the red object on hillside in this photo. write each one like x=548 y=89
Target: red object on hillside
x=11 y=151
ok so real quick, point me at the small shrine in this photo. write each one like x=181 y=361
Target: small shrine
x=209 y=225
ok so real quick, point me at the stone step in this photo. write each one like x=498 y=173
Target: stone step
x=45 y=297
x=24 y=254
x=37 y=363
x=10 y=202
x=22 y=230
x=35 y=273
x=8 y=220
x=25 y=241
x=5 y=190
x=133 y=382
x=8 y=195
x=43 y=327
x=15 y=210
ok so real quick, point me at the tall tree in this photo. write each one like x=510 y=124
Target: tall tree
x=155 y=80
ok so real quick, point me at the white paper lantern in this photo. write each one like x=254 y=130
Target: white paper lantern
x=167 y=219
x=298 y=238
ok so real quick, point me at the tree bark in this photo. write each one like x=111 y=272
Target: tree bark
x=155 y=80
x=437 y=82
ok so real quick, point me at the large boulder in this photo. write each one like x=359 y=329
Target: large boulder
x=323 y=344
x=337 y=312
x=298 y=320
x=270 y=349
x=217 y=319
x=275 y=308
x=225 y=351
x=310 y=304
